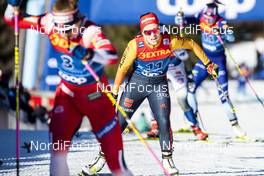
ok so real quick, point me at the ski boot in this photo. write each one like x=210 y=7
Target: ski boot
x=96 y=165
x=199 y=133
x=154 y=131
x=238 y=131
x=168 y=163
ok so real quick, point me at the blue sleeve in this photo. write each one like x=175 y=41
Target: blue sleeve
x=229 y=35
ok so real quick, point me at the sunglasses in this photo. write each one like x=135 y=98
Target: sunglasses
x=149 y=32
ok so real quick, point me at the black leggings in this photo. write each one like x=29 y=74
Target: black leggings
x=155 y=89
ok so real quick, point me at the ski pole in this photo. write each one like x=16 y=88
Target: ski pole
x=124 y=114
x=201 y=121
x=17 y=81
x=180 y=14
x=224 y=94
x=233 y=110
x=239 y=70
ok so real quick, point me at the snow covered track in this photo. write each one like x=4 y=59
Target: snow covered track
x=221 y=156
x=192 y=157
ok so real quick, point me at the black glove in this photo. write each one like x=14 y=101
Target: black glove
x=14 y=2
x=216 y=30
x=115 y=96
x=40 y=112
x=82 y=53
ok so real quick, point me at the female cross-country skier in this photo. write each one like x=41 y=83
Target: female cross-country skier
x=150 y=54
x=212 y=25
x=77 y=39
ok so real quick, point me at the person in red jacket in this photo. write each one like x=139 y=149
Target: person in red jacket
x=76 y=39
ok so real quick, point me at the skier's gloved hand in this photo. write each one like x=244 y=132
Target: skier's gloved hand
x=230 y=37
x=40 y=112
x=82 y=53
x=212 y=69
x=217 y=31
x=115 y=96
x=179 y=18
x=179 y=21
x=14 y=2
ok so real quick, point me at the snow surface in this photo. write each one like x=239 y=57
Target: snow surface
x=221 y=156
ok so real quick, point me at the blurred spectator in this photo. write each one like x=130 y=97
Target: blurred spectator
x=242 y=79
x=8 y=101
x=260 y=53
x=32 y=114
x=3 y=91
x=260 y=66
x=4 y=103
